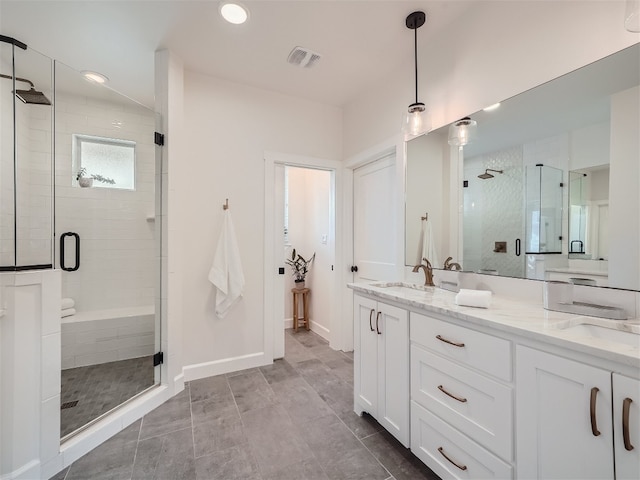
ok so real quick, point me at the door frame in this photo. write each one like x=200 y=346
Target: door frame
x=396 y=146
x=273 y=329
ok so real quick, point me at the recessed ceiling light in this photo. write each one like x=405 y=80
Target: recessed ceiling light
x=94 y=77
x=234 y=13
x=491 y=108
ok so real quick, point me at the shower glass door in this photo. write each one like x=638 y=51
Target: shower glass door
x=107 y=245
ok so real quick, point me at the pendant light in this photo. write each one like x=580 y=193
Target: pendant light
x=462 y=132
x=416 y=120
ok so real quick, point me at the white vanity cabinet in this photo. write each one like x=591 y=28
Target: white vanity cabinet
x=381 y=364
x=565 y=425
x=461 y=400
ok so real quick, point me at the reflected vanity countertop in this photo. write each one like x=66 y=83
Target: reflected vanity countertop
x=579 y=271
x=517 y=317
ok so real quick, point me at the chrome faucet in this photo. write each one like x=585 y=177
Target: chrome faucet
x=428 y=272
x=449 y=265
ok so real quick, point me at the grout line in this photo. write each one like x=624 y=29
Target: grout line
x=193 y=433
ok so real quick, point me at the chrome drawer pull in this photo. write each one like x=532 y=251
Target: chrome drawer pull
x=594 y=426
x=461 y=467
x=460 y=399
x=625 y=424
x=449 y=341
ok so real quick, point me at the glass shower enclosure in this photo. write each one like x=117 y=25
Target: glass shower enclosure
x=80 y=192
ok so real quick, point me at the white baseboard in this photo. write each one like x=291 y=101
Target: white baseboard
x=320 y=330
x=226 y=365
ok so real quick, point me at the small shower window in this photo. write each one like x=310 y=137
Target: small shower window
x=110 y=158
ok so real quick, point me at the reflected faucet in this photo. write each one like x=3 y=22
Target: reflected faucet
x=428 y=272
x=449 y=265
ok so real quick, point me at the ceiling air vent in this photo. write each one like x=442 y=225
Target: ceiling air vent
x=303 y=57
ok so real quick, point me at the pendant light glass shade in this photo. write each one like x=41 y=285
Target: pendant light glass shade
x=632 y=16
x=416 y=121
x=462 y=132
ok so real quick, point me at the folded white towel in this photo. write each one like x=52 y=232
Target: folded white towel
x=226 y=271
x=474 y=298
x=67 y=312
x=67 y=303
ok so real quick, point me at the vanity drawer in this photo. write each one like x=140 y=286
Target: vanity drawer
x=478 y=350
x=474 y=404
x=449 y=453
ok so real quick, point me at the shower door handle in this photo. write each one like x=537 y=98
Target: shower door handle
x=63 y=265
x=518 y=248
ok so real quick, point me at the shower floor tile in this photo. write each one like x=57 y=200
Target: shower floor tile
x=96 y=389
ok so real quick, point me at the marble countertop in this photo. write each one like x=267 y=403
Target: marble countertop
x=517 y=317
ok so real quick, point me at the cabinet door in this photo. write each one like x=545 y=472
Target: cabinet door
x=626 y=426
x=365 y=358
x=560 y=404
x=393 y=371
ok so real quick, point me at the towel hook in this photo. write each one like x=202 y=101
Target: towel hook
x=225 y=206
x=426 y=216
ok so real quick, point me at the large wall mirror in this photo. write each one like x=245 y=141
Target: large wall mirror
x=549 y=185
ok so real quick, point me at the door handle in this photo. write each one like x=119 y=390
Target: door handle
x=626 y=404
x=63 y=264
x=594 y=426
x=370 y=319
x=354 y=269
x=518 y=247
x=377 y=323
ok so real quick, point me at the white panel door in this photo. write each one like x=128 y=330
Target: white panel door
x=374 y=220
x=626 y=427
x=279 y=254
x=564 y=428
x=392 y=329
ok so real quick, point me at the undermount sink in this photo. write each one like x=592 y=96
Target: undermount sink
x=624 y=337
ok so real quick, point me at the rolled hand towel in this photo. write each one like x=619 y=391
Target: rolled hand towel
x=67 y=312
x=474 y=298
x=67 y=303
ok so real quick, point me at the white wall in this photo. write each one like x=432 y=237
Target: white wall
x=309 y=220
x=228 y=127
x=503 y=52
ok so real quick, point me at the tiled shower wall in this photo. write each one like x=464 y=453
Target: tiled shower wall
x=116 y=227
x=493 y=212
x=33 y=180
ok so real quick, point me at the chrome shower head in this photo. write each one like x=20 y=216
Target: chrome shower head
x=486 y=175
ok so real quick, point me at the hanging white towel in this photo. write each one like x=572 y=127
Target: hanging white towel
x=67 y=312
x=67 y=303
x=420 y=243
x=429 y=246
x=226 y=271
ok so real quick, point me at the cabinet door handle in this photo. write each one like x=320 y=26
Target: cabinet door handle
x=594 y=426
x=461 y=467
x=626 y=403
x=449 y=341
x=371 y=319
x=377 y=323
x=460 y=399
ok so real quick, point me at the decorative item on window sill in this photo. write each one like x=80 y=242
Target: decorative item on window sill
x=300 y=267
x=463 y=131
x=416 y=120
x=85 y=180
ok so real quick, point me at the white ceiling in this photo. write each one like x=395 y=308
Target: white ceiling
x=361 y=42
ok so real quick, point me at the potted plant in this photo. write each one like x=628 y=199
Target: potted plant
x=300 y=267
x=85 y=180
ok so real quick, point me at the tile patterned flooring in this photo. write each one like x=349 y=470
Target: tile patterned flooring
x=99 y=388
x=290 y=420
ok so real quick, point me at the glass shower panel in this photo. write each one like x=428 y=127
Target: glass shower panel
x=26 y=163
x=109 y=246
x=543 y=209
